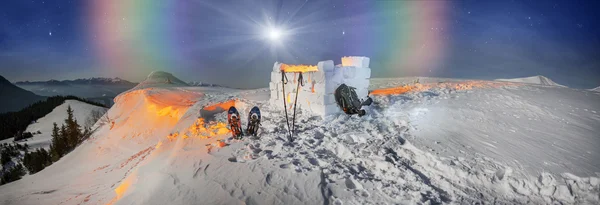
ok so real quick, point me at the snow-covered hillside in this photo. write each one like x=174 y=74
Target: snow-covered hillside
x=81 y=112
x=454 y=142
x=538 y=79
x=160 y=79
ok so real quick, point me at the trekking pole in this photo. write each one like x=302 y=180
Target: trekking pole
x=283 y=82
x=296 y=101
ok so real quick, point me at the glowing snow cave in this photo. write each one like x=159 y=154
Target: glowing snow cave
x=316 y=93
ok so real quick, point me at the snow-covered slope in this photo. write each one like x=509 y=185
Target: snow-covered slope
x=81 y=112
x=597 y=89
x=427 y=146
x=538 y=79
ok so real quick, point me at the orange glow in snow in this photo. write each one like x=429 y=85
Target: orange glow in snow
x=173 y=136
x=224 y=105
x=203 y=130
x=122 y=188
x=298 y=68
x=220 y=144
x=417 y=87
x=392 y=91
x=170 y=111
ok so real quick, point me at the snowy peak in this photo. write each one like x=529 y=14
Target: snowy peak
x=56 y=83
x=538 y=79
x=160 y=79
x=196 y=83
x=201 y=84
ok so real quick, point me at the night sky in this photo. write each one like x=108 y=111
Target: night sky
x=225 y=41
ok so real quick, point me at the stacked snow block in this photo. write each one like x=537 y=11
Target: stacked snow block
x=317 y=93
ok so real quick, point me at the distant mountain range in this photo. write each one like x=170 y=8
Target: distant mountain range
x=15 y=98
x=101 y=90
x=84 y=81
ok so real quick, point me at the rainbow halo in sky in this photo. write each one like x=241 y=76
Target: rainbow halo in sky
x=139 y=36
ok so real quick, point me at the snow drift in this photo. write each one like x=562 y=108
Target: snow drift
x=161 y=148
x=538 y=79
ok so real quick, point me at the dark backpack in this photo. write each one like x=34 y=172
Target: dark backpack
x=346 y=98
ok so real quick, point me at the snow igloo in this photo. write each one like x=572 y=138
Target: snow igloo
x=316 y=94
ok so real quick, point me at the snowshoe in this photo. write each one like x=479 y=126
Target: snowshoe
x=367 y=102
x=346 y=98
x=235 y=124
x=253 y=121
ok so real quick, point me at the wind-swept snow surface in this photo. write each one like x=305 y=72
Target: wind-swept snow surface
x=538 y=79
x=169 y=145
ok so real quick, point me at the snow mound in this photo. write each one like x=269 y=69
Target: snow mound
x=160 y=79
x=538 y=79
x=81 y=112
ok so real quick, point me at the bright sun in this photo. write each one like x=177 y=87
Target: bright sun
x=274 y=34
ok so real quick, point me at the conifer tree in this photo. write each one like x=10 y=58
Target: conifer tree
x=56 y=148
x=73 y=130
x=63 y=137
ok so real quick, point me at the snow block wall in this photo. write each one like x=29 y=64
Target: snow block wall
x=316 y=95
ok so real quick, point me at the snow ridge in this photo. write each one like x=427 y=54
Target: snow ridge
x=538 y=79
x=597 y=89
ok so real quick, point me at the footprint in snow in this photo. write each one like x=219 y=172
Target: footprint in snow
x=313 y=161
x=362 y=193
x=350 y=184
